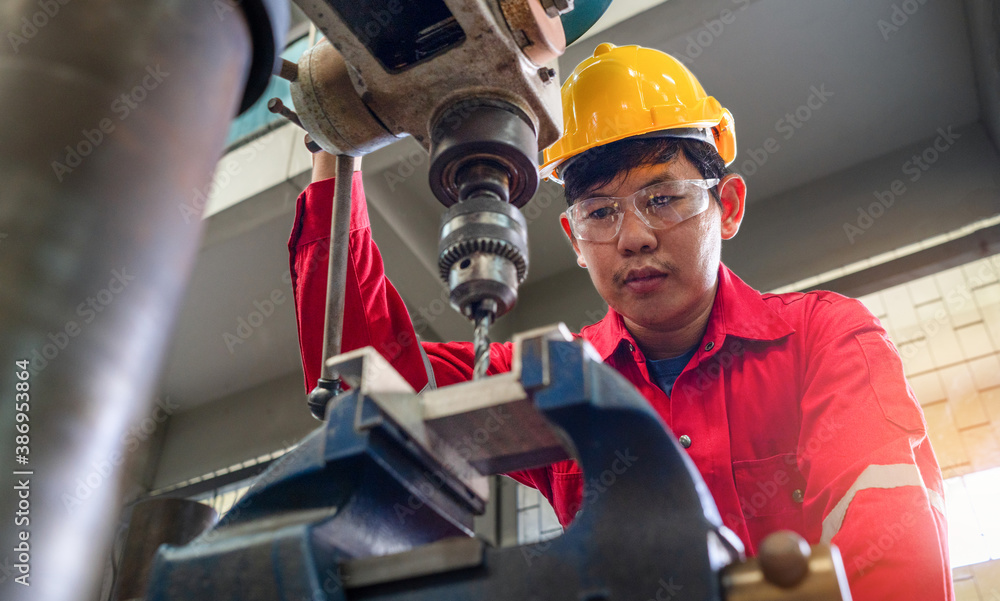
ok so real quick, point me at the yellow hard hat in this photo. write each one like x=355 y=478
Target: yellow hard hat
x=628 y=91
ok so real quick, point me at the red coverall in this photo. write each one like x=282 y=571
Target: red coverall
x=796 y=406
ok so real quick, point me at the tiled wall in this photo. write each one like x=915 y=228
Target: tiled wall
x=536 y=520
x=978 y=582
x=947 y=329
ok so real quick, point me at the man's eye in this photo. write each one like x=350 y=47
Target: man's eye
x=601 y=213
x=661 y=201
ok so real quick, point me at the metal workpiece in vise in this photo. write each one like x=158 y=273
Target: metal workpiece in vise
x=471 y=81
x=377 y=503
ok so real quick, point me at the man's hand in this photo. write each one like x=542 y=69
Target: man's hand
x=325 y=166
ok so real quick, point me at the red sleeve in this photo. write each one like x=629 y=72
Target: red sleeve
x=873 y=485
x=374 y=313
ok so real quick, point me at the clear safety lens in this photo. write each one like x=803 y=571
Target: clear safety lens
x=659 y=206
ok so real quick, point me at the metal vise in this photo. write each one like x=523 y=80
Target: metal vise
x=378 y=502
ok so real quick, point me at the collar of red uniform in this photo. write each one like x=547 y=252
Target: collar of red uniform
x=739 y=311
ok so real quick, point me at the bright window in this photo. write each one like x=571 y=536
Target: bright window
x=973 y=503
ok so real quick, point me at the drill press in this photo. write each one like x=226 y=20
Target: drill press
x=470 y=81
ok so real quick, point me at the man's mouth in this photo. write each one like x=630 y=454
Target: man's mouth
x=645 y=279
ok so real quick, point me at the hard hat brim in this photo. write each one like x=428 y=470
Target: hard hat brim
x=555 y=168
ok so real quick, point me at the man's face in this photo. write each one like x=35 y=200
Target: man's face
x=661 y=279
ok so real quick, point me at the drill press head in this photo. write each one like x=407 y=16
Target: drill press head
x=482 y=165
x=471 y=81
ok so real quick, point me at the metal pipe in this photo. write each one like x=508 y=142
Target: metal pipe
x=112 y=115
x=337 y=274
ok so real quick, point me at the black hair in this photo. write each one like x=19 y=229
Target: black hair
x=600 y=166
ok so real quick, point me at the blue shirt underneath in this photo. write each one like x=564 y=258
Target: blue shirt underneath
x=665 y=371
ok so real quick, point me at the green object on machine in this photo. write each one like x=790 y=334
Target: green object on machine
x=583 y=16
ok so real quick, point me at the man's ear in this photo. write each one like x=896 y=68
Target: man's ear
x=733 y=195
x=564 y=222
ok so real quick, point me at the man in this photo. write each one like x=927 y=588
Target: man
x=794 y=407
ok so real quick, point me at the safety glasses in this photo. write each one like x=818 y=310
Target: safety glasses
x=659 y=206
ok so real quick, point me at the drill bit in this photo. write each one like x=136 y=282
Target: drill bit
x=481 y=344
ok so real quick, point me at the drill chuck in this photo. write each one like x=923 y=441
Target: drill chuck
x=483 y=167
x=483 y=254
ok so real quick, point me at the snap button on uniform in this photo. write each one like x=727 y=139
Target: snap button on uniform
x=797 y=495
x=631 y=348
x=709 y=346
x=685 y=441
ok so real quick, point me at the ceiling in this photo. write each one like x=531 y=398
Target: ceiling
x=883 y=90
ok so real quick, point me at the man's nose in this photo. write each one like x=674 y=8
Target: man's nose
x=635 y=236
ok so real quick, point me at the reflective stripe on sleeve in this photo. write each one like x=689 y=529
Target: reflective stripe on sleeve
x=937 y=501
x=877 y=476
